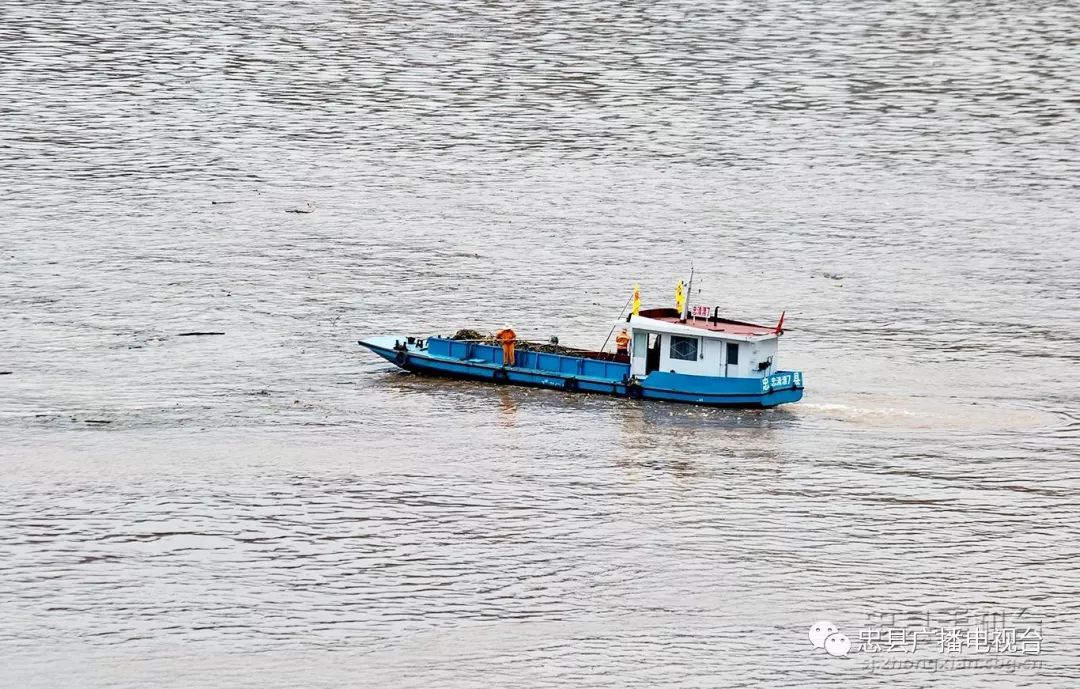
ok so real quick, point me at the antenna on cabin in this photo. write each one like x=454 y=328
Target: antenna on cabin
x=689 y=291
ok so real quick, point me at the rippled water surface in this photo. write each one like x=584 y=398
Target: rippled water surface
x=272 y=507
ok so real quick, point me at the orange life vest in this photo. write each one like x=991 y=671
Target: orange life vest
x=506 y=336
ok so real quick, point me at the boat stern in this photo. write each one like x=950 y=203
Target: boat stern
x=782 y=387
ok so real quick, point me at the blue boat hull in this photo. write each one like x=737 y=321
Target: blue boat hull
x=476 y=361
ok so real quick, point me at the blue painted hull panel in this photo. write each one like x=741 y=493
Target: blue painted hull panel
x=476 y=361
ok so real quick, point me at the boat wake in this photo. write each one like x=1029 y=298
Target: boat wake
x=922 y=413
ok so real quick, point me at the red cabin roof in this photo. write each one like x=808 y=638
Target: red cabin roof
x=711 y=323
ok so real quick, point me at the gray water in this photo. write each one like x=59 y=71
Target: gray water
x=273 y=507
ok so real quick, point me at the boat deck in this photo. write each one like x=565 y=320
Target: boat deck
x=564 y=365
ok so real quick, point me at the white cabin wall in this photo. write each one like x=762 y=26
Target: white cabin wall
x=714 y=359
x=702 y=367
x=760 y=351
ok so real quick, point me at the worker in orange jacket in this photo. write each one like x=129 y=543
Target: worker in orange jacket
x=507 y=337
x=622 y=343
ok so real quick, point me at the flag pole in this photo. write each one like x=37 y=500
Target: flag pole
x=686 y=299
x=616 y=323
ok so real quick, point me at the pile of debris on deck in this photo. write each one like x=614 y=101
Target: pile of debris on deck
x=550 y=347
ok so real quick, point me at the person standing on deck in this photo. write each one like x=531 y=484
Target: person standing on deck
x=622 y=343
x=507 y=337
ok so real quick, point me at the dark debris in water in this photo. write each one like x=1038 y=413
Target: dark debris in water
x=199 y=334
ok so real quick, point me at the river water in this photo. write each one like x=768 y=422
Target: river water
x=274 y=507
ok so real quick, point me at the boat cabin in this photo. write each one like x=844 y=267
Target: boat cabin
x=702 y=345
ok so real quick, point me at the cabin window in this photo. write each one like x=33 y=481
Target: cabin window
x=641 y=343
x=684 y=348
x=732 y=353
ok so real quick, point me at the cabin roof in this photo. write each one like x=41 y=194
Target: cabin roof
x=720 y=326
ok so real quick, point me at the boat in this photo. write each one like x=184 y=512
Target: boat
x=688 y=355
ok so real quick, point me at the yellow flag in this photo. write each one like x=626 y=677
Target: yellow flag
x=636 y=304
x=680 y=297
